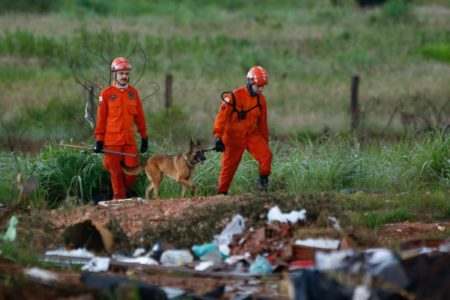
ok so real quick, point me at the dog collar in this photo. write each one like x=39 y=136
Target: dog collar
x=187 y=161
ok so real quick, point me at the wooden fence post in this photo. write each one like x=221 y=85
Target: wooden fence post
x=91 y=94
x=168 y=98
x=354 y=108
x=90 y=108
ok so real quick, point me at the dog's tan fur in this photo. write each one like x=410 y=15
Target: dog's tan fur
x=179 y=167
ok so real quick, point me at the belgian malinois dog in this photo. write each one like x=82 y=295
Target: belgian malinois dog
x=179 y=167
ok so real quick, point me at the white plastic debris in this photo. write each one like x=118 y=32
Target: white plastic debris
x=293 y=217
x=173 y=293
x=175 y=258
x=379 y=255
x=330 y=261
x=319 y=243
x=139 y=252
x=145 y=260
x=204 y=265
x=11 y=233
x=234 y=259
x=224 y=250
x=335 y=223
x=41 y=275
x=80 y=252
x=361 y=292
x=97 y=264
x=236 y=226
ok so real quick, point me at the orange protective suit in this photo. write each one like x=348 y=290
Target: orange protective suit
x=251 y=134
x=117 y=112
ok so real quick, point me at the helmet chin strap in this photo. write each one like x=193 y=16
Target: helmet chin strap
x=250 y=89
x=119 y=85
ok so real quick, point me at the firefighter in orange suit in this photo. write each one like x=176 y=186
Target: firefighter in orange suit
x=241 y=124
x=119 y=108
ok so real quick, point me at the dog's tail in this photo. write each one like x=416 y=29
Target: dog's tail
x=132 y=170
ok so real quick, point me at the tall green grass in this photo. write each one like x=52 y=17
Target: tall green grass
x=336 y=165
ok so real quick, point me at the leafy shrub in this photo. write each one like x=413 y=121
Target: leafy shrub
x=396 y=9
x=66 y=173
x=26 y=44
x=431 y=164
x=40 y=6
x=439 y=52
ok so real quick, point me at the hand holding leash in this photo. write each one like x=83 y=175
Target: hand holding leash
x=98 y=147
x=144 y=145
x=220 y=146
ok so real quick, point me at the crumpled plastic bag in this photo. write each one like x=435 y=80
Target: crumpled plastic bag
x=236 y=226
x=97 y=264
x=260 y=266
x=176 y=258
x=275 y=214
x=11 y=232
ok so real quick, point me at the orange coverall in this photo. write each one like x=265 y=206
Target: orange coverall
x=251 y=134
x=117 y=112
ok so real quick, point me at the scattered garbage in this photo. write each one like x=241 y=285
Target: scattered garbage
x=80 y=252
x=97 y=264
x=10 y=234
x=201 y=250
x=318 y=268
x=260 y=266
x=41 y=275
x=174 y=258
x=293 y=217
x=236 y=226
x=144 y=260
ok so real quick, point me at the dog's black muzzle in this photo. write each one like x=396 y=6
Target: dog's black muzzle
x=200 y=157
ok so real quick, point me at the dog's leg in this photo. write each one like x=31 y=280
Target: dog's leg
x=155 y=191
x=147 y=191
x=155 y=176
x=186 y=183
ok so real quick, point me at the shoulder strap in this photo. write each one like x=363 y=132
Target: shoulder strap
x=227 y=102
x=234 y=102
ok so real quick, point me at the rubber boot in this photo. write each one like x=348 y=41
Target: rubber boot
x=263 y=183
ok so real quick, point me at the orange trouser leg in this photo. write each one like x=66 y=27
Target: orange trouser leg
x=130 y=161
x=259 y=149
x=120 y=181
x=230 y=161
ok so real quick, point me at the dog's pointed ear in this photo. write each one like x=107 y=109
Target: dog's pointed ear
x=198 y=143
x=191 y=145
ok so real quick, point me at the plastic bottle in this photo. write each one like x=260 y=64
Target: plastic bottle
x=176 y=258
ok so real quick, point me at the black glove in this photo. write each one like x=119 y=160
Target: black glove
x=98 y=147
x=144 y=145
x=220 y=146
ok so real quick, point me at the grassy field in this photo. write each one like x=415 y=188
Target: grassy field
x=311 y=49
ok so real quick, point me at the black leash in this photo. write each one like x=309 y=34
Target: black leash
x=207 y=150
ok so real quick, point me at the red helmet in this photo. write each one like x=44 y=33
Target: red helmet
x=120 y=64
x=258 y=75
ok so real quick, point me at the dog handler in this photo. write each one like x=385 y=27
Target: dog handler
x=119 y=107
x=241 y=124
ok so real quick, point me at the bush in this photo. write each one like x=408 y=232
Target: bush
x=396 y=9
x=67 y=174
x=40 y=6
x=439 y=52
